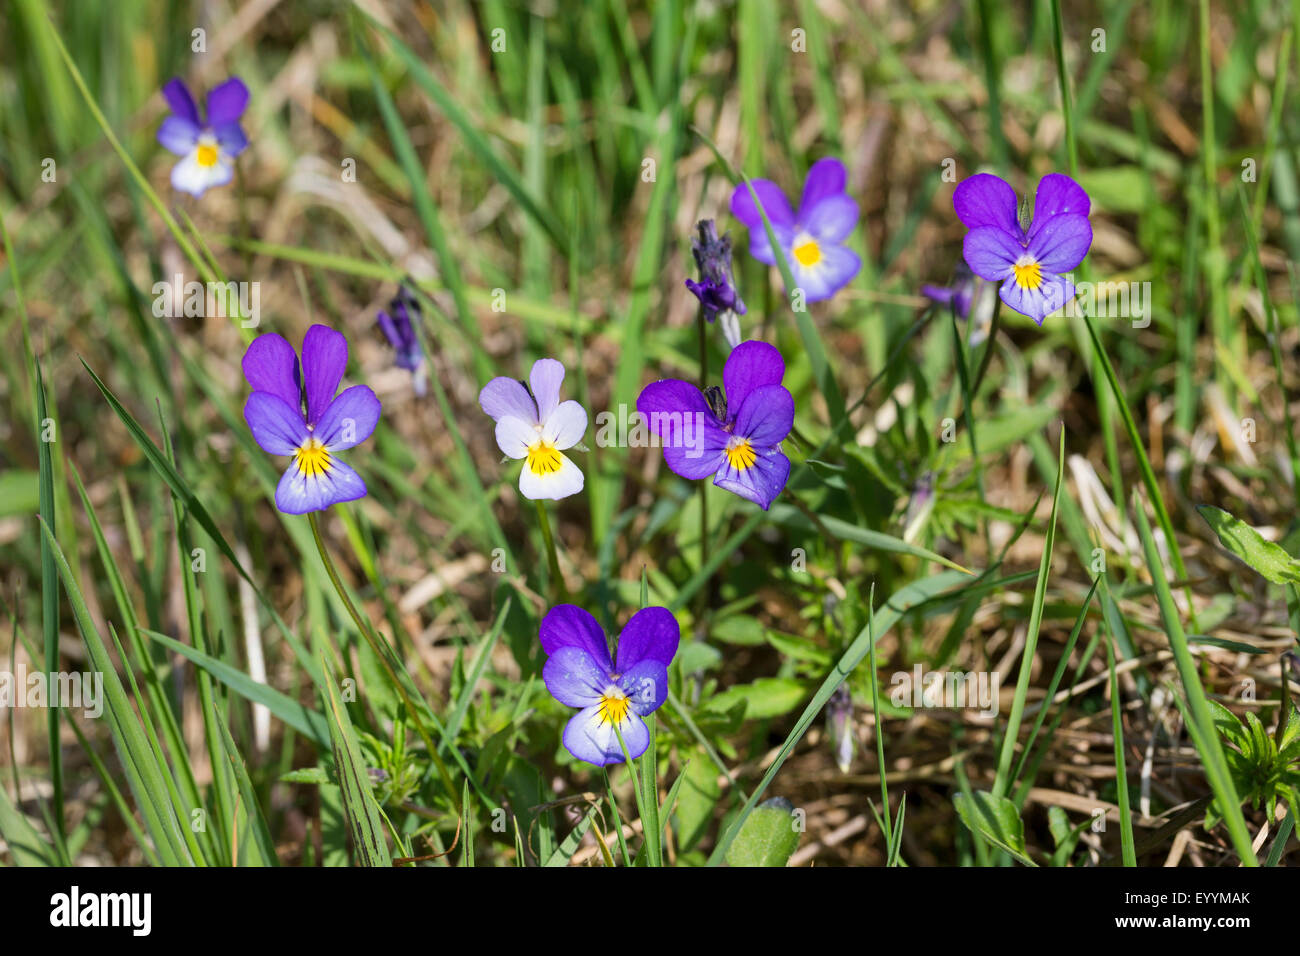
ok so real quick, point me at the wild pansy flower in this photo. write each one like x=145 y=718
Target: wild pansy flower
x=208 y=149
x=1028 y=261
x=399 y=329
x=733 y=436
x=315 y=478
x=533 y=424
x=612 y=694
x=810 y=240
x=970 y=297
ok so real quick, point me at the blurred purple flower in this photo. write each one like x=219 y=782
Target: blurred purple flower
x=741 y=449
x=1029 y=262
x=716 y=289
x=612 y=694
x=207 y=149
x=970 y=297
x=274 y=412
x=399 y=329
x=533 y=424
x=810 y=240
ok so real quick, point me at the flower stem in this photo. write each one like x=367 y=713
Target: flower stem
x=385 y=655
x=704 y=485
x=553 y=556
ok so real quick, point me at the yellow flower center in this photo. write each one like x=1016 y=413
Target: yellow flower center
x=1028 y=273
x=614 y=706
x=741 y=455
x=808 y=253
x=207 y=155
x=312 y=458
x=544 y=458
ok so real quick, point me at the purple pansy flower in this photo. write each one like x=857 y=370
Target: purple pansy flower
x=315 y=478
x=533 y=424
x=970 y=297
x=810 y=240
x=716 y=289
x=399 y=329
x=1029 y=262
x=612 y=694
x=208 y=149
x=734 y=437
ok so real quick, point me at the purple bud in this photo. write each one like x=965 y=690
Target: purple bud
x=398 y=326
x=839 y=727
x=716 y=289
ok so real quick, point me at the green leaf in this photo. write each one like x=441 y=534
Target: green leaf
x=765 y=697
x=996 y=819
x=1249 y=545
x=769 y=836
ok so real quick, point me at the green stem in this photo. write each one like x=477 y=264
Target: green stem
x=704 y=485
x=553 y=556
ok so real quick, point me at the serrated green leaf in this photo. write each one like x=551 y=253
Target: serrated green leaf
x=996 y=819
x=769 y=837
x=1265 y=557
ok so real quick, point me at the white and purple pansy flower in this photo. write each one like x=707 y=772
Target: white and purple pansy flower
x=331 y=423
x=732 y=435
x=533 y=424
x=1030 y=262
x=616 y=693
x=207 y=147
x=811 y=239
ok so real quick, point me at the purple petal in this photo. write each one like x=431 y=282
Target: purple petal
x=231 y=138
x=990 y=252
x=646 y=685
x=759 y=483
x=834 y=271
x=1060 y=243
x=761 y=249
x=652 y=634
x=1058 y=195
x=276 y=427
x=298 y=494
x=691 y=437
x=938 y=294
x=350 y=418
x=270 y=365
x=773 y=200
x=1038 y=303
x=750 y=365
x=573 y=678
x=589 y=739
x=986 y=200
x=324 y=357
x=830 y=220
x=506 y=397
x=178 y=135
x=545 y=379
x=826 y=178
x=567 y=625
x=766 y=417
x=226 y=103
x=178 y=97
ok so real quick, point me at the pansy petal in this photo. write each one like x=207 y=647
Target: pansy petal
x=573 y=678
x=761 y=482
x=545 y=379
x=677 y=413
x=276 y=427
x=190 y=176
x=830 y=220
x=1038 y=303
x=324 y=357
x=588 y=737
x=507 y=396
x=514 y=435
x=1060 y=243
x=298 y=493
x=990 y=252
x=653 y=634
x=567 y=625
x=761 y=249
x=1058 y=195
x=646 y=685
x=833 y=271
x=227 y=102
x=551 y=485
x=350 y=418
x=774 y=204
x=178 y=135
x=750 y=365
x=178 y=98
x=231 y=139
x=566 y=425
x=270 y=365
x=766 y=417
x=827 y=177
x=986 y=200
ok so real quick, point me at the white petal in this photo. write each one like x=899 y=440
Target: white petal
x=553 y=485
x=189 y=177
x=514 y=435
x=566 y=425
